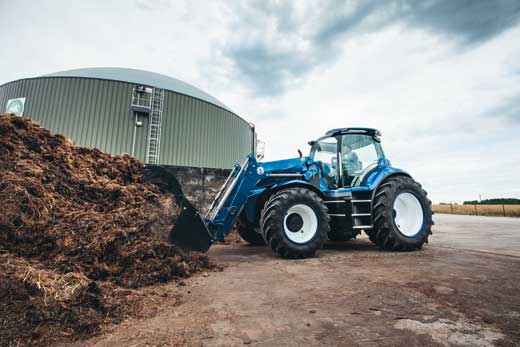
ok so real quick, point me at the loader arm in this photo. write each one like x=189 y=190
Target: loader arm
x=232 y=197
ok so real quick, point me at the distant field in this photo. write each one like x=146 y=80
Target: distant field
x=480 y=210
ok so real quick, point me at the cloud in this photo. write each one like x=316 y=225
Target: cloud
x=267 y=47
x=274 y=44
x=267 y=69
x=152 y=5
x=470 y=21
x=340 y=17
x=508 y=109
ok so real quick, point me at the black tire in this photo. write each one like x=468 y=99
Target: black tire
x=273 y=223
x=385 y=233
x=250 y=235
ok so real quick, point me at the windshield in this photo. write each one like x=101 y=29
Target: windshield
x=326 y=151
x=358 y=154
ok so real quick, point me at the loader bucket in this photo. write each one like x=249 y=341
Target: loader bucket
x=189 y=232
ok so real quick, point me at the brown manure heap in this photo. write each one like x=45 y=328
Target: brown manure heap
x=79 y=231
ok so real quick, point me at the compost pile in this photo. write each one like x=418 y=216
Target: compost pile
x=79 y=230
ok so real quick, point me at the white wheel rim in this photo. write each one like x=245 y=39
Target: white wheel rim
x=408 y=214
x=308 y=228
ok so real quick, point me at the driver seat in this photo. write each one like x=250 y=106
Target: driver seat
x=329 y=175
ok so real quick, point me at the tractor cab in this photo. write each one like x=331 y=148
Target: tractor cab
x=347 y=155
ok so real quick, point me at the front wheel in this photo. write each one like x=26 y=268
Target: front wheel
x=295 y=223
x=402 y=215
x=249 y=235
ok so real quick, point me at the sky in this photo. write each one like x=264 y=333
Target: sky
x=439 y=78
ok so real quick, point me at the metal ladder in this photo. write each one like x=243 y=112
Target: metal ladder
x=362 y=210
x=154 y=128
x=361 y=217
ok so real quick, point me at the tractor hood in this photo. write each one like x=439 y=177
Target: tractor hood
x=294 y=165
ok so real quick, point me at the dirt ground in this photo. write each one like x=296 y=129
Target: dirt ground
x=351 y=294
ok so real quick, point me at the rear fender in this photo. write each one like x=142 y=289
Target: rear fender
x=381 y=173
x=384 y=175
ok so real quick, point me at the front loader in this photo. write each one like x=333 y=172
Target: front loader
x=346 y=185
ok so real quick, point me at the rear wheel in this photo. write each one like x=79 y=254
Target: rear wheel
x=402 y=215
x=295 y=223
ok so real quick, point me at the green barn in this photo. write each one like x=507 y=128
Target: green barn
x=158 y=119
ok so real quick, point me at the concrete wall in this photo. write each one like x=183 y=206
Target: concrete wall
x=199 y=185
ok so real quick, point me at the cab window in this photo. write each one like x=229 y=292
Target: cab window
x=359 y=155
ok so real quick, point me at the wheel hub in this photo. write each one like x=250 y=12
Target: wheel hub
x=294 y=222
x=300 y=223
x=408 y=214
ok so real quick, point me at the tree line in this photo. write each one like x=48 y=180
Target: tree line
x=498 y=201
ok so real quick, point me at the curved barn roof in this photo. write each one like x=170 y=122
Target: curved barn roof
x=143 y=77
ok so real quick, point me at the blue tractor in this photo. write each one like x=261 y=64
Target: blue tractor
x=346 y=185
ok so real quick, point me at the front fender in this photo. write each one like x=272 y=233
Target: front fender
x=258 y=197
x=296 y=183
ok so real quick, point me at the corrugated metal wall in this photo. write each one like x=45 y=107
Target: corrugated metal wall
x=201 y=134
x=97 y=113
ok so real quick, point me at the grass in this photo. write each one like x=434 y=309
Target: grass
x=480 y=210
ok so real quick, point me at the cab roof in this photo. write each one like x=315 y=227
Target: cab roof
x=362 y=131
